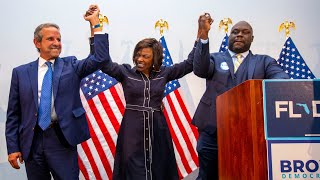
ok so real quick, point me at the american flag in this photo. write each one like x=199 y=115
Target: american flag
x=102 y=98
x=184 y=135
x=292 y=62
x=224 y=44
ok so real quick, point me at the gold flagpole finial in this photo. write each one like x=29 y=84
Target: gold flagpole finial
x=103 y=19
x=161 y=24
x=225 y=24
x=287 y=25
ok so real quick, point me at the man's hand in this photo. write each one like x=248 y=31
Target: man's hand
x=204 y=23
x=92 y=14
x=13 y=157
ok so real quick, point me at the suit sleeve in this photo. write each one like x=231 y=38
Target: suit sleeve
x=274 y=70
x=178 y=70
x=13 y=116
x=203 y=64
x=111 y=68
x=91 y=41
x=99 y=55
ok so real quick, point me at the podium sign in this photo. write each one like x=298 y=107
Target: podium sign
x=291 y=109
x=292 y=128
x=298 y=160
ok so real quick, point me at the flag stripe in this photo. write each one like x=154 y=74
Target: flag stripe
x=177 y=144
x=104 y=115
x=82 y=168
x=90 y=158
x=116 y=91
x=88 y=169
x=116 y=106
x=109 y=111
x=100 y=151
x=189 y=150
x=186 y=113
x=188 y=139
x=102 y=126
x=173 y=128
x=97 y=160
x=95 y=126
x=180 y=168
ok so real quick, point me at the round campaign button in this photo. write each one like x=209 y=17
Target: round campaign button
x=224 y=66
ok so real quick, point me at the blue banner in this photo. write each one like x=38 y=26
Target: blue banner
x=291 y=109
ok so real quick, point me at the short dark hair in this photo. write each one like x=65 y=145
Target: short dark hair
x=157 y=51
x=37 y=35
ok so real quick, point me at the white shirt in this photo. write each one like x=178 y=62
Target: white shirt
x=42 y=69
x=234 y=55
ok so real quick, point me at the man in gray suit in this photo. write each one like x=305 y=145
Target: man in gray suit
x=222 y=72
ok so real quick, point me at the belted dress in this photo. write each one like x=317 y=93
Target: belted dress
x=144 y=149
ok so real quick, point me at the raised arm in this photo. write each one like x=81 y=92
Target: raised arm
x=99 y=53
x=178 y=70
x=201 y=62
x=87 y=16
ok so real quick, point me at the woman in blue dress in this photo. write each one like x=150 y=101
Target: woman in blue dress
x=144 y=148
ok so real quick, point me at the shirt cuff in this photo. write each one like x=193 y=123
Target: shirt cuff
x=204 y=41
x=99 y=32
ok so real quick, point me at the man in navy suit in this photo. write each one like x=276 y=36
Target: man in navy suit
x=51 y=150
x=222 y=72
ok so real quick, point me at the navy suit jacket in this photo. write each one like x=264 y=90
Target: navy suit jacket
x=218 y=69
x=23 y=99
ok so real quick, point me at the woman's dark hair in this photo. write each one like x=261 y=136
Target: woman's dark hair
x=156 y=50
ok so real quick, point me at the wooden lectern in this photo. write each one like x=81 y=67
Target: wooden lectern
x=241 y=140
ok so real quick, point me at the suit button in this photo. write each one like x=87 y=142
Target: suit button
x=35 y=114
x=32 y=129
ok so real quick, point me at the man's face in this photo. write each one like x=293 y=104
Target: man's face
x=50 y=45
x=241 y=37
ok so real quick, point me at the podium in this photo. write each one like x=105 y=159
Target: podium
x=241 y=141
x=269 y=129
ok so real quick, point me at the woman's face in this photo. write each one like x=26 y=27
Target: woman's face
x=144 y=60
